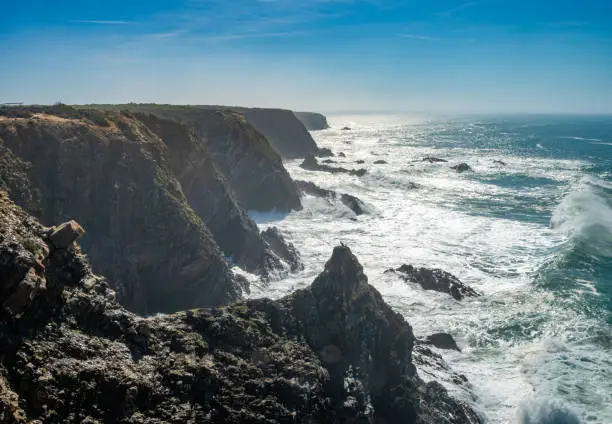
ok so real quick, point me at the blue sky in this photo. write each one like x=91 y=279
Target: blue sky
x=324 y=55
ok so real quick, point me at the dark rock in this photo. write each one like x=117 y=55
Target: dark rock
x=499 y=162
x=380 y=162
x=342 y=155
x=462 y=167
x=331 y=353
x=353 y=204
x=325 y=152
x=442 y=341
x=328 y=161
x=310 y=163
x=66 y=234
x=431 y=159
x=284 y=249
x=312 y=121
x=360 y=161
x=346 y=128
x=437 y=280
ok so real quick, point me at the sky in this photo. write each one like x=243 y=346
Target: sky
x=437 y=56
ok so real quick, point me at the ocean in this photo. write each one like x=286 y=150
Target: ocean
x=530 y=228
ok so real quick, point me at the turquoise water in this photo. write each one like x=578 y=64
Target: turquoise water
x=532 y=233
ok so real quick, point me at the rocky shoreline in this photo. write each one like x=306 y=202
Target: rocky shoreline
x=162 y=193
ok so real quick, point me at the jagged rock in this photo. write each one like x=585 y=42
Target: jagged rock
x=326 y=354
x=442 y=341
x=325 y=152
x=462 y=167
x=432 y=159
x=499 y=162
x=312 y=121
x=437 y=280
x=380 y=162
x=284 y=249
x=310 y=163
x=66 y=234
x=353 y=203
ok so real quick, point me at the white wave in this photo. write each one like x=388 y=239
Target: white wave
x=546 y=411
x=585 y=215
x=582 y=138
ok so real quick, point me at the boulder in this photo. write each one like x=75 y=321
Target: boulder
x=437 y=280
x=64 y=235
x=462 y=167
x=282 y=248
x=442 y=341
x=353 y=203
x=432 y=159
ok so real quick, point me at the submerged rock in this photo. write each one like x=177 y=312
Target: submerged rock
x=499 y=162
x=380 y=162
x=442 y=341
x=282 y=248
x=346 y=128
x=432 y=159
x=437 y=280
x=334 y=352
x=310 y=163
x=462 y=167
x=360 y=161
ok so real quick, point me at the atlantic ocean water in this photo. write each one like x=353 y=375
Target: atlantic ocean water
x=530 y=227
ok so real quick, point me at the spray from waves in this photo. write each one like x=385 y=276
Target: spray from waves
x=546 y=412
x=585 y=216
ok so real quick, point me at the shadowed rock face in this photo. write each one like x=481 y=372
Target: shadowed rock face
x=436 y=280
x=327 y=354
x=352 y=202
x=312 y=121
x=116 y=180
x=284 y=249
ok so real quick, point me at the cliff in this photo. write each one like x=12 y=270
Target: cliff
x=332 y=353
x=161 y=216
x=312 y=121
x=283 y=130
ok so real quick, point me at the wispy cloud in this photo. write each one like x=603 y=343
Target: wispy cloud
x=100 y=22
x=419 y=37
x=456 y=9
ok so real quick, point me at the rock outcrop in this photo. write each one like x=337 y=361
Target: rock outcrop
x=312 y=121
x=334 y=352
x=437 y=280
x=310 y=163
x=117 y=180
x=352 y=202
x=462 y=167
x=282 y=248
x=441 y=341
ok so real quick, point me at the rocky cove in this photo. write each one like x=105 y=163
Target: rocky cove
x=162 y=193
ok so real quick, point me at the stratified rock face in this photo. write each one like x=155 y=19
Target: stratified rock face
x=116 y=181
x=247 y=160
x=327 y=354
x=437 y=280
x=283 y=130
x=209 y=195
x=312 y=121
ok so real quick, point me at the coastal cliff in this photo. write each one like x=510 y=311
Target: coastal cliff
x=69 y=353
x=312 y=121
x=162 y=217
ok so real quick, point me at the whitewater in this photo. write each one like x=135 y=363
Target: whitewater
x=530 y=228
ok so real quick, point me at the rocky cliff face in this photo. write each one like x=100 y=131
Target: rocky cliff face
x=117 y=181
x=283 y=130
x=312 y=121
x=333 y=353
